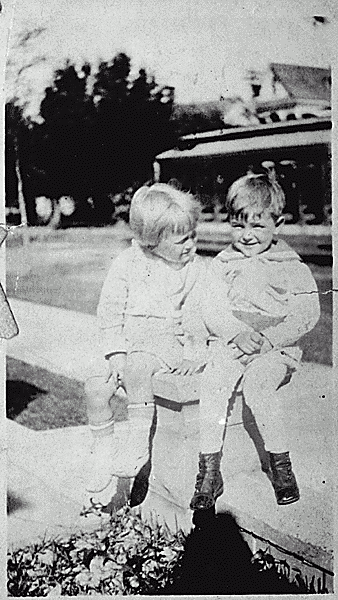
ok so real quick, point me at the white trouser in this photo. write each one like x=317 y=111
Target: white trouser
x=259 y=382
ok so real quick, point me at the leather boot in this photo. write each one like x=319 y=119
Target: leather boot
x=201 y=473
x=283 y=478
x=209 y=482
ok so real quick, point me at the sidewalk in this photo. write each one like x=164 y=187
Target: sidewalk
x=45 y=467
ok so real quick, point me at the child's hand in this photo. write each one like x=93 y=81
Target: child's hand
x=236 y=352
x=249 y=342
x=266 y=346
x=239 y=355
x=188 y=367
x=117 y=365
x=245 y=359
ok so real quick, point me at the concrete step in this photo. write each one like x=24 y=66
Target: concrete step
x=66 y=342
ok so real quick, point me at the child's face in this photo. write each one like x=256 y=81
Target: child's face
x=255 y=235
x=177 y=248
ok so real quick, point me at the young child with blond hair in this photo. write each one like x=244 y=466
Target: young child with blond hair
x=140 y=317
x=273 y=294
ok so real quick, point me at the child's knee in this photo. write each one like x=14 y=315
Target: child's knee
x=99 y=391
x=263 y=377
x=138 y=371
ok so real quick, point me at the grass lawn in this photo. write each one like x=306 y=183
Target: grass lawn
x=42 y=400
x=69 y=273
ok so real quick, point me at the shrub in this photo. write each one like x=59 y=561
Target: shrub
x=278 y=575
x=130 y=556
x=125 y=556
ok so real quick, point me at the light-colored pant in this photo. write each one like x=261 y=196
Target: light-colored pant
x=258 y=381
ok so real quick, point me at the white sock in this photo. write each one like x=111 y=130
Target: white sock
x=134 y=448
x=101 y=456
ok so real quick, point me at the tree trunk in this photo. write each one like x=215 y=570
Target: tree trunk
x=22 y=205
x=21 y=199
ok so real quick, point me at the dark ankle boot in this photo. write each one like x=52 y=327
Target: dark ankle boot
x=209 y=482
x=283 y=478
x=201 y=473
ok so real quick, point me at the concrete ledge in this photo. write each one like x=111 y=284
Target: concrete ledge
x=175 y=390
x=45 y=474
x=66 y=343
x=304 y=528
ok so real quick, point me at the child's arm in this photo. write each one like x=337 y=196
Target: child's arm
x=207 y=313
x=196 y=333
x=304 y=310
x=111 y=312
x=216 y=310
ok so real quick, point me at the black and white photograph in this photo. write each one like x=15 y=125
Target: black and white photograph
x=167 y=296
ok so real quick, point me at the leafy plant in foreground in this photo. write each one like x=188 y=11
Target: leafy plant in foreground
x=130 y=556
x=125 y=556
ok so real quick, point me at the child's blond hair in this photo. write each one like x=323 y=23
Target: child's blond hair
x=255 y=194
x=158 y=211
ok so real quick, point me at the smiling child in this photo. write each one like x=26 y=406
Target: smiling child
x=273 y=294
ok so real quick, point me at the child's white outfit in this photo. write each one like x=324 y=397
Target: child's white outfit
x=140 y=308
x=140 y=311
x=275 y=294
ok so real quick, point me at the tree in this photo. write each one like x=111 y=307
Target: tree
x=93 y=143
x=132 y=126
x=196 y=118
x=64 y=149
x=150 y=127
x=16 y=136
x=109 y=160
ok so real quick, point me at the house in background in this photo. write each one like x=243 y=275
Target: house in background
x=298 y=92
x=282 y=93
x=285 y=127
